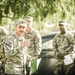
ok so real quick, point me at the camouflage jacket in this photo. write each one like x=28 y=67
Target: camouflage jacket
x=14 y=54
x=63 y=43
x=34 y=48
x=3 y=35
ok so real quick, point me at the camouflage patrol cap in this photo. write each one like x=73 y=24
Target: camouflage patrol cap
x=29 y=18
x=64 y=23
x=21 y=22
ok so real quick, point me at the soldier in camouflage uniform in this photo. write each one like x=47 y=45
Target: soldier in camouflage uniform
x=63 y=43
x=3 y=35
x=33 y=35
x=15 y=50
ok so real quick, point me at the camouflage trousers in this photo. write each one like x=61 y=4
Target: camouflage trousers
x=63 y=69
x=68 y=69
x=2 y=72
x=59 y=68
x=13 y=74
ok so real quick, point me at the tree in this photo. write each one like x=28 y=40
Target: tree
x=19 y=8
x=41 y=10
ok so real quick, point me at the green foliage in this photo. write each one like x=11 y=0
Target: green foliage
x=42 y=10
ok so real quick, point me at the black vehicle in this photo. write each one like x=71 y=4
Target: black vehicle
x=49 y=64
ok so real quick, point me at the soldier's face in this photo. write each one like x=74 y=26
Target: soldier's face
x=62 y=28
x=20 y=30
x=29 y=25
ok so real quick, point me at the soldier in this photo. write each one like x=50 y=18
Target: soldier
x=15 y=50
x=33 y=35
x=3 y=35
x=63 y=43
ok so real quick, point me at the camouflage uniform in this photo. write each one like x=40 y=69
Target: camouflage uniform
x=35 y=42
x=15 y=55
x=3 y=34
x=63 y=45
x=34 y=48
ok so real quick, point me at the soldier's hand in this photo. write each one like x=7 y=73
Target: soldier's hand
x=25 y=43
x=61 y=56
x=31 y=59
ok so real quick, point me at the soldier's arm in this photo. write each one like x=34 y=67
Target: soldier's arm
x=9 y=48
x=72 y=39
x=38 y=44
x=71 y=42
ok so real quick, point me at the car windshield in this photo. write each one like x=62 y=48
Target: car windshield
x=47 y=44
x=47 y=41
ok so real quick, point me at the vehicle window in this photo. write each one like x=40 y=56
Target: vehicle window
x=47 y=44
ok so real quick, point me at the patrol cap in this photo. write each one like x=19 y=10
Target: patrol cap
x=64 y=23
x=29 y=18
x=21 y=22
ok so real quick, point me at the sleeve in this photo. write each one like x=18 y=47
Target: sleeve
x=71 y=42
x=27 y=55
x=9 y=48
x=38 y=44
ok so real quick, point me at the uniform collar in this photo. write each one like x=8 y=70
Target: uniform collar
x=30 y=31
x=18 y=37
x=65 y=34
